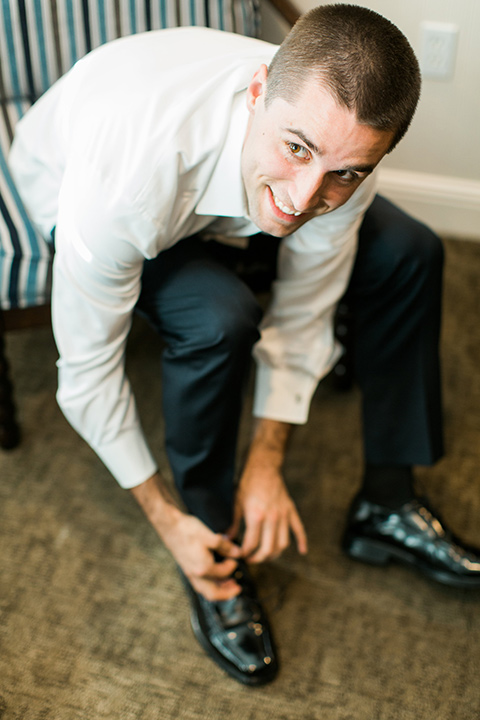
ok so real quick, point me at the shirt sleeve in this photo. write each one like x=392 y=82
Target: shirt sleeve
x=297 y=345
x=96 y=283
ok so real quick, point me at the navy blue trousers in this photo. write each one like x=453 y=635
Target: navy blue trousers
x=208 y=318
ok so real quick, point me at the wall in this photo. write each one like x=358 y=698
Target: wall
x=435 y=172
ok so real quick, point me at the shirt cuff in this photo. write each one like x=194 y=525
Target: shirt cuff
x=128 y=458
x=286 y=394
x=283 y=395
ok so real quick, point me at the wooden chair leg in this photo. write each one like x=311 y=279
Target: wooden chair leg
x=9 y=429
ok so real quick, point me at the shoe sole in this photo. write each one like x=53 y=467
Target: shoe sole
x=376 y=553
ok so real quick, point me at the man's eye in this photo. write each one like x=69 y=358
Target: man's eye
x=298 y=150
x=347 y=175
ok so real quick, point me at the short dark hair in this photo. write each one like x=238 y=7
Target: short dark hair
x=363 y=59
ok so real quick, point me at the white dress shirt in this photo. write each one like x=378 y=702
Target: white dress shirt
x=137 y=147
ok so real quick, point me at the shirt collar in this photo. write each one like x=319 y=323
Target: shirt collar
x=224 y=195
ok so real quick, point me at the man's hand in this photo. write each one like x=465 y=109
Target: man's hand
x=191 y=542
x=263 y=501
x=193 y=545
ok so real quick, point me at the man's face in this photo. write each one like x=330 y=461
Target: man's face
x=304 y=158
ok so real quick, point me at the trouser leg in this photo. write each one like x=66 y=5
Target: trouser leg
x=395 y=291
x=208 y=319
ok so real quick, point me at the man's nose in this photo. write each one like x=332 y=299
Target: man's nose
x=307 y=191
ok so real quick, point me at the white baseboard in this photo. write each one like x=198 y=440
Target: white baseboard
x=449 y=205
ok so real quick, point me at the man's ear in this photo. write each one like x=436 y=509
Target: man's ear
x=257 y=87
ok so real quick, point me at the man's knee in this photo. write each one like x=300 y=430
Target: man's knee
x=223 y=319
x=395 y=246
x=231 y=319
x=195 y=302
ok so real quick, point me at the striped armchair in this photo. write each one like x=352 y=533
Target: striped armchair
x=39 y=41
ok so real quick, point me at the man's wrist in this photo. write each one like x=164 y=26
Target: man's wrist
x=158 y=504
x=269 y=443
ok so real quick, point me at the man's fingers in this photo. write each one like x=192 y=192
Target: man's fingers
x=215 y=581
x=283 y=537
x=251 y=538
x=299 y=533
x=271 y=538
x=216 y=590
x=267 y=545
x=225 y=547
x=275 y=539
x=234 y=528
x=218 y=583
x=220 y=571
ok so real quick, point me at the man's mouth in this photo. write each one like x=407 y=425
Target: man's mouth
x=284 y=208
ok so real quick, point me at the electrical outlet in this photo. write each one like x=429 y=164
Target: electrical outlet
x=438 y=49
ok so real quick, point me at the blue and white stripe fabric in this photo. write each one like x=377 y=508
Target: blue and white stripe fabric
x=25 y=258
x=39 y=41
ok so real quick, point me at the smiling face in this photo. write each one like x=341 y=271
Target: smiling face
x=305 y=158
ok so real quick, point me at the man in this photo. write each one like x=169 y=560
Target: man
x=155 y=139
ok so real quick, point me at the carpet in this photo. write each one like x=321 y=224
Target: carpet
x=93 y=619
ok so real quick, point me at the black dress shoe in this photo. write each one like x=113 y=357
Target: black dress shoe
x=235 y=633
x=411 y=535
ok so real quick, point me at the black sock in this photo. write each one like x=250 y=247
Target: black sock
x=389 y=485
